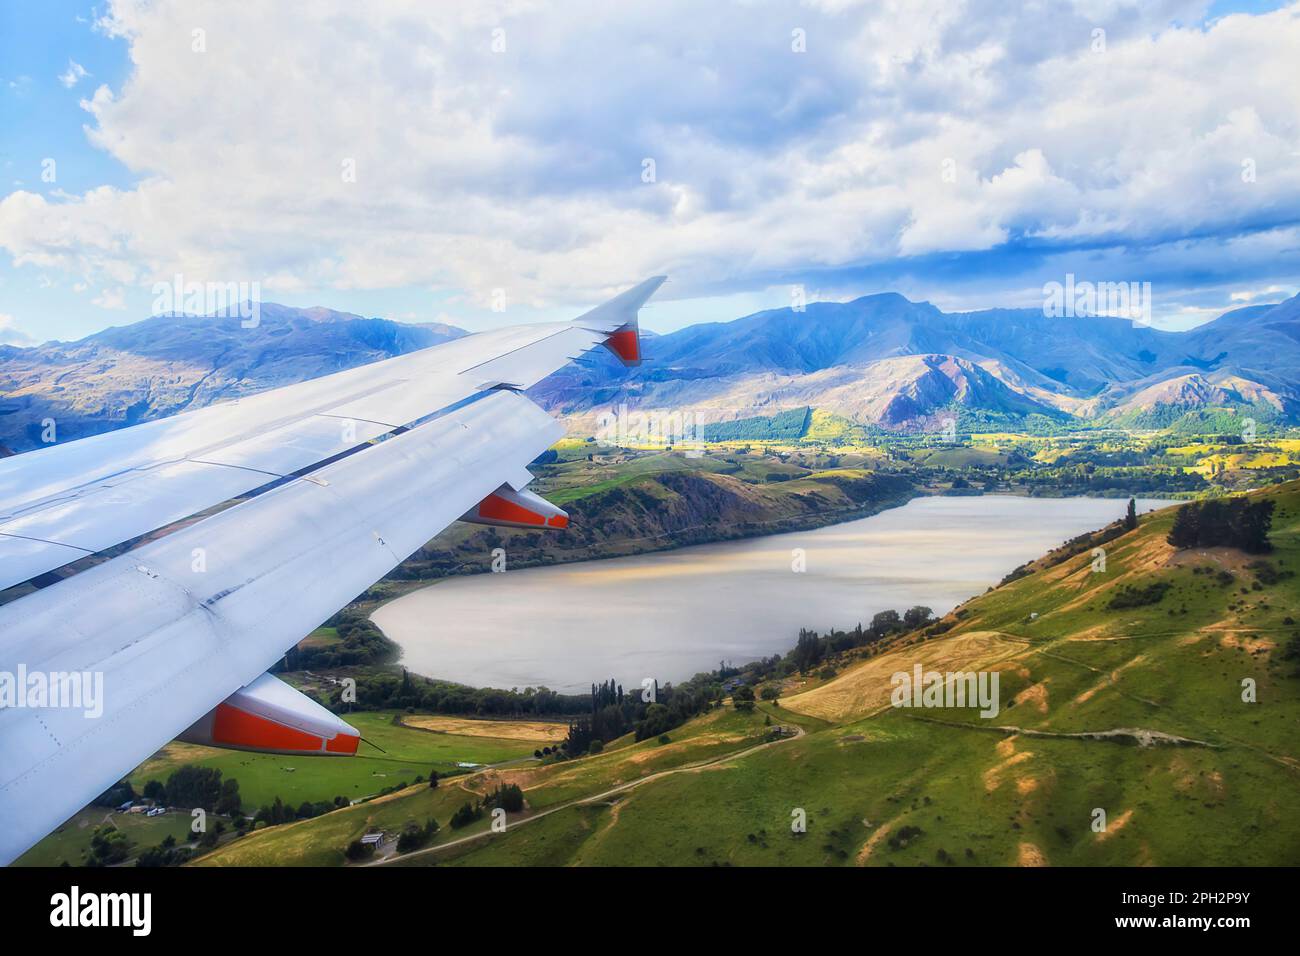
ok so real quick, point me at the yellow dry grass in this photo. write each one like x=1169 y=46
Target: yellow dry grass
x=1036 y=695
x=882 y=831
x=531 y=730
x=1030 y=855
x=1114 y=826
x=865 y=688
x=1109 y=680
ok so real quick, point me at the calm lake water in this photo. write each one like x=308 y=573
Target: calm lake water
x=673 y=614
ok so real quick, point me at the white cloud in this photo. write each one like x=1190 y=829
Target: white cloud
x=111 y=299
x=476 y=170
x=10 y=334
x=1269 y=293
x=73 y=75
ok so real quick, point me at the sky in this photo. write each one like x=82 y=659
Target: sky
x=494 y=163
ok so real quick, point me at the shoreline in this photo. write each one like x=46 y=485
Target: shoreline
x=403 y=587
x=784 y=526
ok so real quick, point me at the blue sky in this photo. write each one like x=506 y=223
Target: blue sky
x=965 y=155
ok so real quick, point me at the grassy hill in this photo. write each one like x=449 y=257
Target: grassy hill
x=1132 y=709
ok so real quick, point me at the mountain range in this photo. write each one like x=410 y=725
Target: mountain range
x=886 y=361
x=880 y=360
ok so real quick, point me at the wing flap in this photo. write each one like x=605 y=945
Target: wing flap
x=24 y=558
x=269 y=716
x=131 y=504
x=286 y=450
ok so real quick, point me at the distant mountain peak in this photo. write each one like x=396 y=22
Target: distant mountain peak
x=883 y=359
x=174 y=362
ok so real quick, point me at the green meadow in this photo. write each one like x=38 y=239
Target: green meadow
x=390 y=755
x=70 y=843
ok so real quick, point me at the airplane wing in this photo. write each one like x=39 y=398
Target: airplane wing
x=174 y=562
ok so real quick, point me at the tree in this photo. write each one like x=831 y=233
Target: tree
x=580 y=735
x=276 y=813
x=917 y=616
x=155 y=791
x=743 y=698
x=116 y=795
x=191 y=786
x=886 y=622
x=433 y=780
x=1186 y=530
x=807 y=651
x=1229 y=522
x=1131 y=516
x=109 y=845
x=508 y=797
x=230 y=803
x=359 y=851
x=414 y=836
x=658 y=720
x=466 y=815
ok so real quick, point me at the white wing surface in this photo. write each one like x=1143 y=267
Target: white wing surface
x=354 y=472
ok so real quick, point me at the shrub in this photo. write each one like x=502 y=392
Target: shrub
x=359 y=851
x=466 y=815
x=508 y=797
x=1130 y=596
x=414 y=836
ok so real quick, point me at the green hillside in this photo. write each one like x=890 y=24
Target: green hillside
x=1128 y=705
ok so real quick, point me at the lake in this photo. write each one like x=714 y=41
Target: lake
x=672 y=614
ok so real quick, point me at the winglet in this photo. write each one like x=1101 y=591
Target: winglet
x=618 y=318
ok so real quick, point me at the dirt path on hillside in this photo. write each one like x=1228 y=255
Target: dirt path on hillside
x=1125 y=735
x=599 y=797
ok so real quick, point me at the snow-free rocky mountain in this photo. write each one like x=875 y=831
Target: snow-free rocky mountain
x=169 y=364
x=879 y=360
x=883 y=360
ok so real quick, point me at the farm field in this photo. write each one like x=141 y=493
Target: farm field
x=409 y=752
